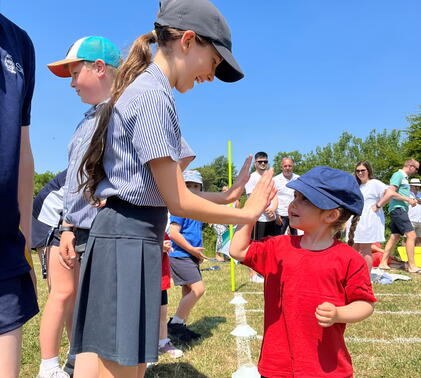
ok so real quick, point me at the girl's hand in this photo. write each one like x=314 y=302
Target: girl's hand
x=67 y=254
x=261 y=196
x=326 y=314
x=237 y=189
x=166 y=246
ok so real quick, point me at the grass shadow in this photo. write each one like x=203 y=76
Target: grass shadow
x=174 y=370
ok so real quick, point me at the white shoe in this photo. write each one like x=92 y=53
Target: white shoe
x=257 y=279
x=56 y=372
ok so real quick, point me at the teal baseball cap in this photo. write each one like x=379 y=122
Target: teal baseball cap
x=89 y=49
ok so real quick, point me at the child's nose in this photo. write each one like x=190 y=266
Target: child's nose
x=72 y=83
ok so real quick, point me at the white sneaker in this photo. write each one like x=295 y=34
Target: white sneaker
x=56 y=372
x=257 y=279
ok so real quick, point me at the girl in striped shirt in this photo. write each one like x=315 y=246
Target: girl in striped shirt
x=134 y=163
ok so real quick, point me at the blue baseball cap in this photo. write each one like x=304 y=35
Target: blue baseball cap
x=89 y=49
x=193 y=176
x=328 y=188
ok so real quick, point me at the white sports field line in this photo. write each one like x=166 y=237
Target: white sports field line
x=374 y=313
x=377 y=295
x=360 y=340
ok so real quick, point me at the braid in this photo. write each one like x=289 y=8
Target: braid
x=354 y=223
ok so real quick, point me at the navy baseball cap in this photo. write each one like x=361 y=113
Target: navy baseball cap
x=328 y=188
x=204 y=18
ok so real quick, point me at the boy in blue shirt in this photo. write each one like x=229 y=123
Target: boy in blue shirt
x=185 y=257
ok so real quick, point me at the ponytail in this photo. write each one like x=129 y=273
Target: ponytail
x=351 y=233
x=91 y=171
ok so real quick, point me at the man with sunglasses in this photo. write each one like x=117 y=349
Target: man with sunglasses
x=265 y=225
x=398 y=209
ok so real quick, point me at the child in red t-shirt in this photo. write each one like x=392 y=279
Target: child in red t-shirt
x=314 y=284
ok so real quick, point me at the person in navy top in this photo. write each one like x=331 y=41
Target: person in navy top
x=134 y=161
x=17 y=293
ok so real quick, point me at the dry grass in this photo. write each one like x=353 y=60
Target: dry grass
x=215 y=354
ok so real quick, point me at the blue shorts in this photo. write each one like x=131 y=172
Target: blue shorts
x=18 y=302
x=400 y=222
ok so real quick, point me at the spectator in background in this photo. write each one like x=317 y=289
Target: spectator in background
x=398 y=209
x=285 y=196
x=414 y=213
x=18 y=301
x=265 y=225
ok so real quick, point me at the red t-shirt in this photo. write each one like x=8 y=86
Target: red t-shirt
x=166 y=275
x=297 y=280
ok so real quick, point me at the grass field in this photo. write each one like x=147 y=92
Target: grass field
x=388 y=344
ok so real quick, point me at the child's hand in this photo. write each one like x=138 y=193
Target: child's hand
x=166 y=246
x=326 y=314
x=197 y=252
x=261 y=196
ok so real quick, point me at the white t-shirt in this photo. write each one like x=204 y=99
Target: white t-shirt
x=285 y=195
x=251 y=183
x=370 y=228
x=414 y=213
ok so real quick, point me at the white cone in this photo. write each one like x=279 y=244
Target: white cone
x=244 y=331
x=238 y=299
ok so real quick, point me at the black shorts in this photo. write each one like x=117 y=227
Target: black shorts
x=400 y=222
x=263 y=229
x=184 y=270
x=18 y=302
x=164 y=297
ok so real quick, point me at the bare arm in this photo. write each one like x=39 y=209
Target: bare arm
x=180 y=240
x=183 y=203
x=241 y=241
x=390 y=193
x=328 y=314
x=26 y=184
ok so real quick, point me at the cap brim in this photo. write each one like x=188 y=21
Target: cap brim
x=317 y=198
x=60 y=68
x=228 y=70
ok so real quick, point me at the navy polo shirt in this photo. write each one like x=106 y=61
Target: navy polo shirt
x=17 y=72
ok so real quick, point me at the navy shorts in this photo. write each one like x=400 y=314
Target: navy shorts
x=164 y=298
x=184 y=270
x=400 y=222
x=18 y=302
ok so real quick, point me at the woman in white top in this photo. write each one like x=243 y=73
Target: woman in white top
x=370 y=228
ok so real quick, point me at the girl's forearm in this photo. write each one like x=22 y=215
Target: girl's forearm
x=241 y=241
x=354 y=312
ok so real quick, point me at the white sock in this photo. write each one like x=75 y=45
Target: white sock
x=177 y=320
x=49 y=364
x=163 y=342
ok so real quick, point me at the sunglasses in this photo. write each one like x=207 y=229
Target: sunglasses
x=360 y=170
x=261 y=161
x=414 y=166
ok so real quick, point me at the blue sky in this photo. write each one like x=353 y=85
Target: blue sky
x=314 y=69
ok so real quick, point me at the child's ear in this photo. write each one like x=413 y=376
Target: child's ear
x=100 y=67
x=331 y=216
x=188 y=39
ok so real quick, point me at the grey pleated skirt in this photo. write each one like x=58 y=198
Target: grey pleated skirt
x=118 y=302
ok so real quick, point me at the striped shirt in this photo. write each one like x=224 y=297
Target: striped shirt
x=143 y=126
x=76 y=209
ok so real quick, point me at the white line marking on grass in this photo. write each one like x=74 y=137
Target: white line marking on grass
x=254 y=310
x=398 y=340
x=398 y=312
x=396 y=295
x=377 y=295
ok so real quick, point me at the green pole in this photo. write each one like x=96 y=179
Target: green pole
x=232 y=263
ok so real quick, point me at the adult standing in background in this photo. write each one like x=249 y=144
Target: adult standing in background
x=17 y=293
x=414 y=213
x=370 y=228
x=398 y=209
x=265 y=225
x=285 y=196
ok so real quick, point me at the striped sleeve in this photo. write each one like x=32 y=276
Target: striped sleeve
x=152 y=118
